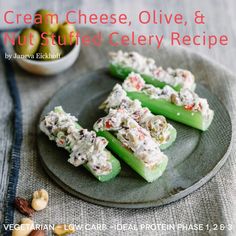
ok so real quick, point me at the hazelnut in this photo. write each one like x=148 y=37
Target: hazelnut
x=40 y=200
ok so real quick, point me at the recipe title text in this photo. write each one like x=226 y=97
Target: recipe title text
x=116 y=38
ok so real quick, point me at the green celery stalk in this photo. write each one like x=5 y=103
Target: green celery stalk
x=173 y=135
x=172 y=111
x=149 y=174
x=115 y=167
x=121 y=72
x=115 y=170
x=115 y=163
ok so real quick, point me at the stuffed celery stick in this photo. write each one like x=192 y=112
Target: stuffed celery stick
x=84 y=146
x=161 y=131
x=132 y=143
x=184 y=106
x=123 y=63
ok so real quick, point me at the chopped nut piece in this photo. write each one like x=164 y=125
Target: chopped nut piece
x=24 y=228
x=37 y=232
x=173 y=98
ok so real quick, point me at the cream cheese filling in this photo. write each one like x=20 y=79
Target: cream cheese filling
x=83 y=145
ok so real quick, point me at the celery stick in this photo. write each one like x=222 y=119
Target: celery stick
x=114 y=162
x=122 y=72
x=149 y=174
x=115 y=170
x=172 y=111
x=106 y=106
x=173 y=135
x=115 y=167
